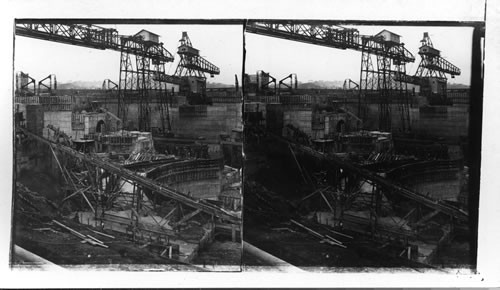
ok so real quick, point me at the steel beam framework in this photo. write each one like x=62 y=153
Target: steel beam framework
x=384 y=79
x=142 y=71
x=391 y=59
x=326 y=35
x=51 y=86
x=436 y=66
x=23 y=81
x=191 y=63
x=99 y=167
x=376 y=180
x=91 y=36
x=141 y=63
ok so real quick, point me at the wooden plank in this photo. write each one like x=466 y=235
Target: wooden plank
x=59 y=164
x=102 y=234
x=88 y=202
x=298 y=164
x=165 y=218
x=313 y=193
x=78 y=234
x=326 y=200
x=76 y=192
x=187 y=217
x=143 y=181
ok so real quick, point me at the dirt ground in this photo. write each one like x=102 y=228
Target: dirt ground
x=35 y=231
x=272 y=189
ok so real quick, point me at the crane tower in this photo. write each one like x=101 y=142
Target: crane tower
x=191 y=71
x=432 y=70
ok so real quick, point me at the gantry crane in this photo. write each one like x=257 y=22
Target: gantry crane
x=191 y=71
x=431 y=72
x=142 y=61
x=391 y=58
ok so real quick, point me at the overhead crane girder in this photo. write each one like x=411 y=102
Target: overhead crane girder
x=138 y=76
x=191 y=63
x=331 y=36
x=391 y=58
x=92 y=36
x=432 y=64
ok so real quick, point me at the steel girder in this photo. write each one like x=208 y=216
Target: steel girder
x=143 y=182
x=143 y=80
x=191 y=63
x=77 y=34
x=330 y=36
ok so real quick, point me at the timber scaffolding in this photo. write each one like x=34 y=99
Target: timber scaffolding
x=376 y=179
x=141 y=181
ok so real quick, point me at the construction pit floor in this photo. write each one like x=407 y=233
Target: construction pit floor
x=36 y=231
x=271 y=194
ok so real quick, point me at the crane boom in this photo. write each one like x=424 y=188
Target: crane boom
x=191 y=62
x=93 y=36
x=432 y=64
x=331 y=36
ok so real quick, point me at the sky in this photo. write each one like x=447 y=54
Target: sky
x=280 y=57
x=222 y=45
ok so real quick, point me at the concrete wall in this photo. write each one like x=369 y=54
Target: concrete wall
x=442 y=121
x=202 y=189
x=437 y=121
x=299 y=118
x=59 y=119
x=220 y=118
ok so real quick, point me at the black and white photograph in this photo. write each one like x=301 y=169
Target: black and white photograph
x=128 y=146
x=235 y=144
x=358 y=145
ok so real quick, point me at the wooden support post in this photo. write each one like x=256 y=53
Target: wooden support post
x=298 y=164
x=326 y=200
x=165 y=218
x=88 y=202
x=75 y=193
x=188 y=216
x=58 y=164
x=313 y=193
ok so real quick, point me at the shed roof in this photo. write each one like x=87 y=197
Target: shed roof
x=387 y=31
x=147 y=32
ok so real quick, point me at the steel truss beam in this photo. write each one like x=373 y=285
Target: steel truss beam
x=143 y=79
x=384 y=79
x=436 y=66
x=381 y=79
x=23 y=81
x=135 y=81
x=91 y=36
x=191 y=63
x=140 y=181
x=377 y=180
x=330 y=36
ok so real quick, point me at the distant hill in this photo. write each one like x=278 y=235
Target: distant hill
x=457 y=86
x=321 y=85
x=80 y=85
x=218 y=85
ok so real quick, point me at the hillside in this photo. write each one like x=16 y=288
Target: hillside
x=321 y=85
